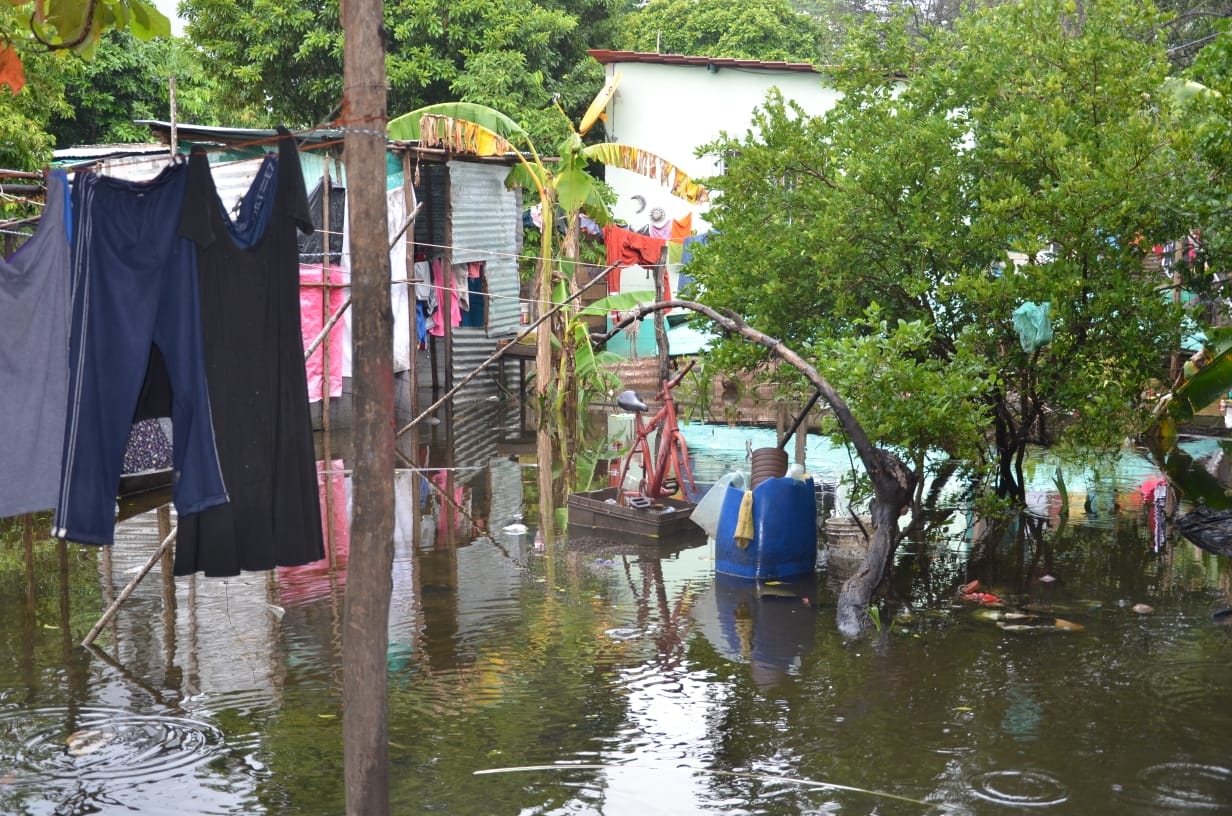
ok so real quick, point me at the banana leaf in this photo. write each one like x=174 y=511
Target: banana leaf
x=406 y=127
x=1208 y=384
x=645 y=163
x=617 y=303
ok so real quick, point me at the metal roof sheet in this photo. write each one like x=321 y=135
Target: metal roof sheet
x=606 y=57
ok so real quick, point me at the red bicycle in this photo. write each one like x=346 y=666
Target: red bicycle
x=665 y=468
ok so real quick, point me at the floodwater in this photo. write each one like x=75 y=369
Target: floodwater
x=586 y=677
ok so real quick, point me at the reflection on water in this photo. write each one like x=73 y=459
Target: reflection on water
x=595 y=676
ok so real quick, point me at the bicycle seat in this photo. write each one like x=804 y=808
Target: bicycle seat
x=630 y=401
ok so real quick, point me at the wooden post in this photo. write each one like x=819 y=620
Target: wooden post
x=660 y=324
x=448 y=296
x=327 y=301
x=27 y=541
x=168 y=575
x=128 y=589
x=365 y=640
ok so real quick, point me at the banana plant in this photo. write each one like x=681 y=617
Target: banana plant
x=479 y=130
x=1202 y=385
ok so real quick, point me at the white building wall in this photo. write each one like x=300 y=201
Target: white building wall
x=672 y=109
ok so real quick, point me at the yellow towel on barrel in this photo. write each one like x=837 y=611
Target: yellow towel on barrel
x=744 y=521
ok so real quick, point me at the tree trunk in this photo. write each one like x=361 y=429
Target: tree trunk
x=893 y=481
x=369 y=579
x=893 y=489
x=569 y=385
x=660 y=325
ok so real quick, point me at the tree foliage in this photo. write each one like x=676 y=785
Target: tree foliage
x=1028 y=156
x=1207 y=122
x=129 y=80
x=69 y=25
x=1191 y=25
x=921 y=18
x=281 y=59
x=24 y=141
x=757 y=29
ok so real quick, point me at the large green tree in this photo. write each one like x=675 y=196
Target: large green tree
x=37 y=41
x=129 y=79
x=1026 y=156
x=281 y=59
x=755 y=29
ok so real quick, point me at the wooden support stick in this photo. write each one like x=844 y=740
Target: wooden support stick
x=128 y=590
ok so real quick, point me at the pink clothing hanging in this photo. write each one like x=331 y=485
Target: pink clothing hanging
x=448 y=295
x=313 y=316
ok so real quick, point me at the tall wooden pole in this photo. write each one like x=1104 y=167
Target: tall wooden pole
x=369 y=580
x=545 y=375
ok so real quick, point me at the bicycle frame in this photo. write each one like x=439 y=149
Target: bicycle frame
x=665 y=467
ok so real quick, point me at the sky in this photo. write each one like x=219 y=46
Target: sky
x=168 y=7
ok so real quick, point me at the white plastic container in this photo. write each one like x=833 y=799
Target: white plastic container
x=706 y=514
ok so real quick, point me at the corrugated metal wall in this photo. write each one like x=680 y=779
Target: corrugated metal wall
x=431 y=188
x=481 y=223
x=486 y=226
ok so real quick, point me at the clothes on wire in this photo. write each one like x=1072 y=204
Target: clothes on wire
x=134 y=283
x=444 y=284
x=628 y=248
x=34 y=311
x=254 y=356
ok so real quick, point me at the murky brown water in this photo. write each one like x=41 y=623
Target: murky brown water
x=582 y=677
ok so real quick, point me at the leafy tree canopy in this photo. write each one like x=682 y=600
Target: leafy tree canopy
x=755 y=29
x=1027 y=157
x=24 y=141
x=282 y=59
x=128 y=80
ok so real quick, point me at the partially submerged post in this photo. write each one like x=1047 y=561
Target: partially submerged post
x=369 y=581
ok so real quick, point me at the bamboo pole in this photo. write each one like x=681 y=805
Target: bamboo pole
x=129 y=589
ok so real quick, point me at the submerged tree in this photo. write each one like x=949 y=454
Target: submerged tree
x=1026 y=157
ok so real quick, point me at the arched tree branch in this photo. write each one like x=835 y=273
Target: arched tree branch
x=893 y=481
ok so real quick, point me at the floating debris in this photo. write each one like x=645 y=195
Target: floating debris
x=1014 y=621
x=1142 y=609
x=1019 y=627
x=774 y=589
x=982 y=598
x=87 y=741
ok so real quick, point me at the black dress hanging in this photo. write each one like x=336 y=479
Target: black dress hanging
x=254 y=356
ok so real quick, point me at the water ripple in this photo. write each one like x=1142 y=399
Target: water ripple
x=1186 y=684
x=101 y=744
x=1019 y=788
x=1185 y=786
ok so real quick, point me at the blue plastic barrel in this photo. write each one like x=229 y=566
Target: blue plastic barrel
x=784 y=541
